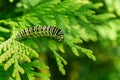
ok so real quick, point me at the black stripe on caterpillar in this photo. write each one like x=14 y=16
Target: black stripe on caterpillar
x=41 y=31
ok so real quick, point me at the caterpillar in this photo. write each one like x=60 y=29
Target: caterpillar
x=41 y=31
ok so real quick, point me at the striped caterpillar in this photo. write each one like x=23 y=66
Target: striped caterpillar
x=41 y=31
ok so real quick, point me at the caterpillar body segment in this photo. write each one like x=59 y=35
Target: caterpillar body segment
x=41 y=31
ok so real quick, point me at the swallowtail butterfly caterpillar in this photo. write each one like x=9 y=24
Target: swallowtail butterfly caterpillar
x=41 y=31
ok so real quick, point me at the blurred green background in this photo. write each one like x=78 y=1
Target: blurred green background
x=106 y=48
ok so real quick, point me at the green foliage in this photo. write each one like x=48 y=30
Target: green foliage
x=113 y=6
x=30 y=67
x=78 y=20
x=13 y=52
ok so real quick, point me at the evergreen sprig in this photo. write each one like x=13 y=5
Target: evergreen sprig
x=77 y=19
x=13 y=52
